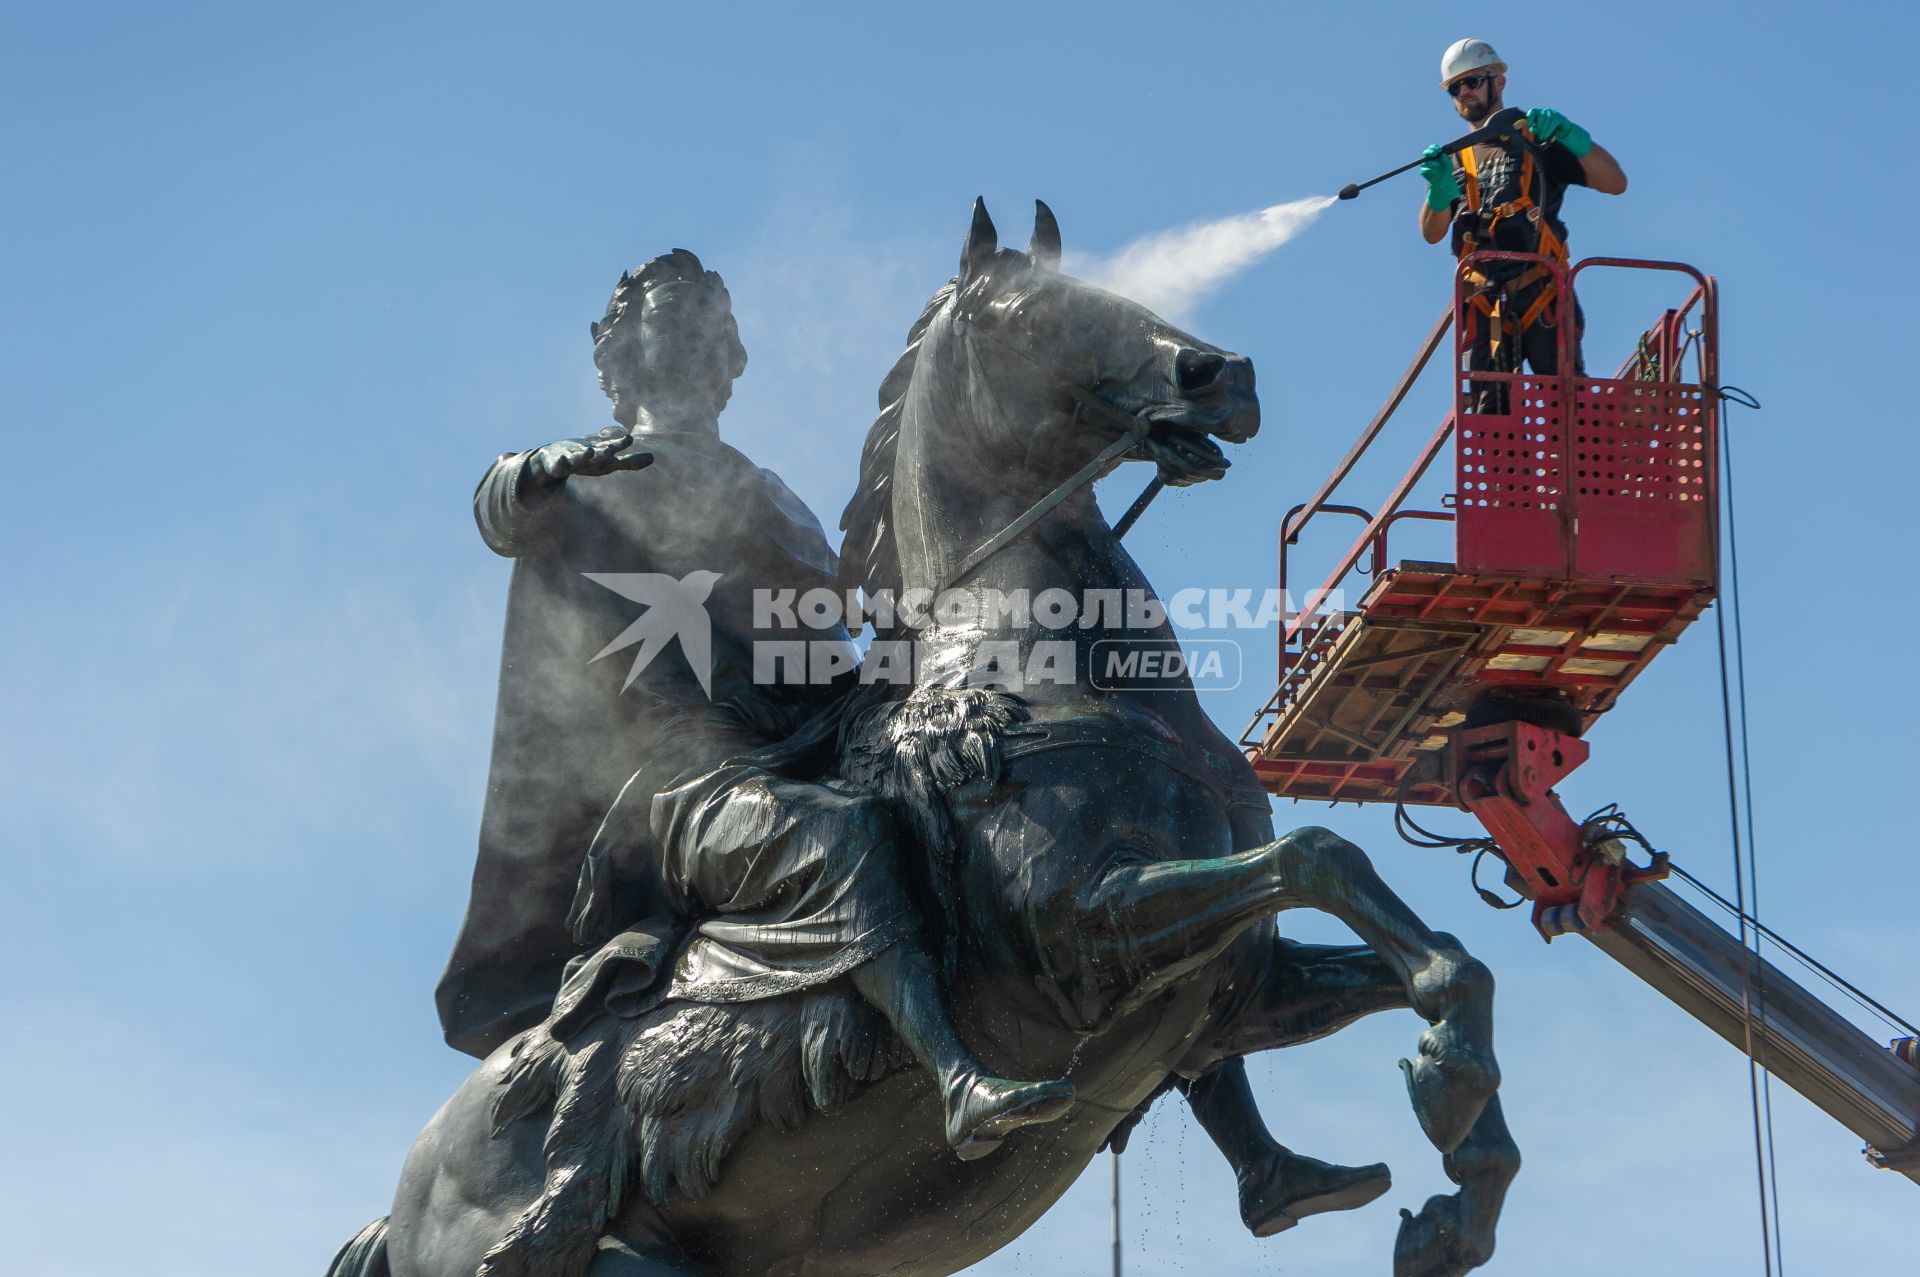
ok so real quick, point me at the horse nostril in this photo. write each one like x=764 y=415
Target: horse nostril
x=1198 y=370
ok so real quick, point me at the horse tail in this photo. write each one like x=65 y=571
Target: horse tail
x=365 y=1255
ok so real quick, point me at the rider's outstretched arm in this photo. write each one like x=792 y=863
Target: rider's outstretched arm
x=518 y=485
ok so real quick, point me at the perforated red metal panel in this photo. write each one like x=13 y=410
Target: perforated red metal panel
x=1642 y=482
x=1511 y=482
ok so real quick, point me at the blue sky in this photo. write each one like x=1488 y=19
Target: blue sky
x=279 y=283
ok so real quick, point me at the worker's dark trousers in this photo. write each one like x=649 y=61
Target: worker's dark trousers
x=1539 y=344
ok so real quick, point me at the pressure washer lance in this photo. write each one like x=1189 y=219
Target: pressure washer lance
x=1499 y=127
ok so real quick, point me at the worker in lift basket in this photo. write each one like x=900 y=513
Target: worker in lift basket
x=1505 y=195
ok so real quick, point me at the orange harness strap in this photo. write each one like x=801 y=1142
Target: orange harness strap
x=1547 y=244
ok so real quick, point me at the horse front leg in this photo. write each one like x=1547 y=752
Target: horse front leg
x=1454 y=1073
x=1453 y=1234
x=1148 y=923
x=1281 y=993
x=1145 y=923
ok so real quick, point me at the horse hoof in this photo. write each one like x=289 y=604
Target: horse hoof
x=1288 y=1188
x=1454 y=1073
x=990 y=1109
x=1449 y=1081
x=1430 y=1244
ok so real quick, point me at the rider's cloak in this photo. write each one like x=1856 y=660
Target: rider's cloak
x=574 y=721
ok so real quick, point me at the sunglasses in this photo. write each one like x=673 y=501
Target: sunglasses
x=1466 y=82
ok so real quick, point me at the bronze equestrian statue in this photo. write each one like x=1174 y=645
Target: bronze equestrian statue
x=811 y=940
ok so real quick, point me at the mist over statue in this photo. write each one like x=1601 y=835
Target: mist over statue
x=852 y=974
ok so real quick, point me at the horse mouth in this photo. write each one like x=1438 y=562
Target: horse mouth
x=1185 y=454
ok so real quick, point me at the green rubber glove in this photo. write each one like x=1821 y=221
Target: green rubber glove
x=1548 y=125
x=1442 y=190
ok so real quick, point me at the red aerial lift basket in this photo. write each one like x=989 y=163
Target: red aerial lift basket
x=1585 y=540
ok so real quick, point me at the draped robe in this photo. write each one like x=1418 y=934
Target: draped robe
x=757 y=883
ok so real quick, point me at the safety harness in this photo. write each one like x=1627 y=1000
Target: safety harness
x=1490 y=296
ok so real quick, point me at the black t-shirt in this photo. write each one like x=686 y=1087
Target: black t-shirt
x=1500 y=166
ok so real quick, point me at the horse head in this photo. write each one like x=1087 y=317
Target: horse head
x=1050 y=352
x=1017 y=378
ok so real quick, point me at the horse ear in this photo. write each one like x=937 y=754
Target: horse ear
x=1045 y=247
x=982 y=242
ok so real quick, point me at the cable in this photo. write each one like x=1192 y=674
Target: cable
x=1611 y=822
x=1479 y=848
x=1739 y=770
x=1892 y=1019
x=1413 y=832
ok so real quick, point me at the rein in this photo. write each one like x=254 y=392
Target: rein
x=1136 y=426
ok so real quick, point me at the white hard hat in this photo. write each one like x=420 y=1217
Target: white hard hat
x=1463 y=57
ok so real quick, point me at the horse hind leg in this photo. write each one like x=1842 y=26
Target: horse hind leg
x=1454 y=1073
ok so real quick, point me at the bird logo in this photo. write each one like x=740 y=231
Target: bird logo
x=676 y=608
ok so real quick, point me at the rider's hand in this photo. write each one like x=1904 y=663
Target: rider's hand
x=1442 y=190
x=602 y=453
x=1548 y=125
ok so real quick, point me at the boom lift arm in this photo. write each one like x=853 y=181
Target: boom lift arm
x=1862 y=1085
x=1648 y=929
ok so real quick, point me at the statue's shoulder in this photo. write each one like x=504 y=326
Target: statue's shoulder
x=798 y=513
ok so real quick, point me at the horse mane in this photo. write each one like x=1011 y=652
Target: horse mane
x=869 y=558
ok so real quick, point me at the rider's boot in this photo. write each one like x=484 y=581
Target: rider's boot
x=981 y=1109
x=1278 y=1187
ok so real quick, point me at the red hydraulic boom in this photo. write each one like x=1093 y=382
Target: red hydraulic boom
x=1586 y=541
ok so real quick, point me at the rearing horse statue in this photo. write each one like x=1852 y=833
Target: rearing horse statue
x=1102 y=857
